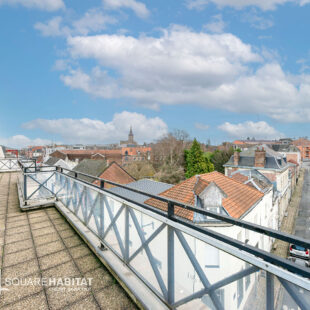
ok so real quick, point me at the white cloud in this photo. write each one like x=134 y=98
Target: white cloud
x=53 y=27
x=139 y=8
x=240 y=4
x=94 y=20
x=95 y=131
x=257 y=20
x=20 y=141
x=46 y=5
x=170 y=69
x=202 y=126
x=259 y=130
x=216 y=25
x=185 y=67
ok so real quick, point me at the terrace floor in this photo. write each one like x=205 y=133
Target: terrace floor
x=42 y=245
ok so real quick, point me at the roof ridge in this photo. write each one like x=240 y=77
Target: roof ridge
x=231 y=179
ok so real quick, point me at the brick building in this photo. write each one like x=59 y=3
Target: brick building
x=303 y=145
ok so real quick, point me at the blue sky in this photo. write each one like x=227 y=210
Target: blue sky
x=76 y=71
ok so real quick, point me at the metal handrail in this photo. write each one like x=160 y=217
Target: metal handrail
x=171 y=203
x=91 y=204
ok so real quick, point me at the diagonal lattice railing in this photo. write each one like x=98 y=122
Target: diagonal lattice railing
x=185 y=266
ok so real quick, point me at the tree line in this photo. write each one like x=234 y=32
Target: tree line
x=176 y=157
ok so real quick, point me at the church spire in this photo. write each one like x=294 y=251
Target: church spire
x=130 y=136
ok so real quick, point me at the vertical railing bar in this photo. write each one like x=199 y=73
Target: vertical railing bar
x=126 y=234
x=269 y=291
x=101 y=216
x=170 y=265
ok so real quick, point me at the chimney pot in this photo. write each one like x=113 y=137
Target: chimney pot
x=236 y=158
x=260 y=158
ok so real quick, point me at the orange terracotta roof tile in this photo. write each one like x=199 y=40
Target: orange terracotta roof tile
x=117 y=174
x=239 y=177
x=240 y=197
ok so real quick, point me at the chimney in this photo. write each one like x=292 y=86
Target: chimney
x=260 y=157
x=236 y=158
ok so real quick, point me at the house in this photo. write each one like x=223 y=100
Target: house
x=291 y=152
x=133 y=154
x=100 y=169
x=115 y=173
x=224 y=195
x=54 y=161
x=271 y=164
x=74 y=157
x=303 y=144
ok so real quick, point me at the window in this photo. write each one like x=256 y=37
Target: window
x=212 y=257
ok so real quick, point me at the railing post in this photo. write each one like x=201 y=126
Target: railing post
x=170 y=256
x=101 y=183
x=126 y=234
x=170 y=265
x=25 y=186
x=170 y=210
x=269 y=291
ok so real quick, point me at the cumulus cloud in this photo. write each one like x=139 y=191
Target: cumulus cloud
x=21 y=141
x=87 y=130
x=259 y=130
x=46 y=5
x=186 y=67
x=240 y=4
x=139 y=8
x=94 y=20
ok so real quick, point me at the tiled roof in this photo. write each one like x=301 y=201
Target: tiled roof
x=240 y=197
x=52 y=161
x=292 y=161
x=91 y=152
x=240 y=177
x=115 y=173
x=301 y=142
x=253 y=178
x=90 y=167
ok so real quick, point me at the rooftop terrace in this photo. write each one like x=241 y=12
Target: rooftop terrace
x=161 y=260
x=42 y=244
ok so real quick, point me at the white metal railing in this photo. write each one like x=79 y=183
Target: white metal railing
x=9 y=164
x=185 y=267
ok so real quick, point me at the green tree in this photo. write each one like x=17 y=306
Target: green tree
x=195 y=161
x=220 y=158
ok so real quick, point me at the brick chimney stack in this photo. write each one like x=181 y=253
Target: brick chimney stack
x=236 y=158
x=260 y=157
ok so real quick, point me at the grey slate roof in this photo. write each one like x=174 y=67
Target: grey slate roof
x=285 y=148
x=274 y=160
x=52 y=161
x=91 y=167
x=145 y=185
